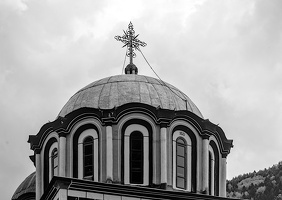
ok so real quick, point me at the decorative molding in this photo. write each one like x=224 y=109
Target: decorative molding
x=128 y=131
x=58 y=183
x=160 y=116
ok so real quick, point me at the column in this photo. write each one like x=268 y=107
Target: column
x=170 y=160
x=62 y=155
x=109 y=155
x=223 y=177
x=38 y=176
x=205 y=164
x=163 y=154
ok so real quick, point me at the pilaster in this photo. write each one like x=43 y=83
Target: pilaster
x=163 y=153
x=62 y=155
x=38 y=182
x=223 y=177
x=109 y=153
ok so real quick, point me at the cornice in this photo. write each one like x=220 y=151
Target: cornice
x=58 y=183
x=107 y=117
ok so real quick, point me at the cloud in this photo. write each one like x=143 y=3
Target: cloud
x=225 y=55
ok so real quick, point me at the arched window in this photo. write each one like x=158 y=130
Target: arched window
x=213 y=169
x=53 y=161
x=50 y=160
x=181 y=164
x=87 y=155
x=182 y=161
x=136 y=158
x=211 y=172
x=136 y=155
x=88 y=161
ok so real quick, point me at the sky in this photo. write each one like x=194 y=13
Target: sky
x=224 y=54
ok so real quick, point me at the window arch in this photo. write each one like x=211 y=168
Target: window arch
x=182 y=161
x=50 y=160
x=53 y=161
x=87 y=155
x=136 y=155
x=213 y=169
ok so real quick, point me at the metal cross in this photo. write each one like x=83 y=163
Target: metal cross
x=130 y=40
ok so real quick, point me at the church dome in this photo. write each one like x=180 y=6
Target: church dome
x=118 y=90
x=26 y=188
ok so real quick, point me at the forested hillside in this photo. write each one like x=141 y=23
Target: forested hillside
x=262 y=185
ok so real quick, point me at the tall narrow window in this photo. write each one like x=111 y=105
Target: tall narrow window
x=54 y=162
x=51 y=161
x=182 y=161
x=181 y=166
x=136 y=158
x=210 y=173
x=213 y=170
x=86 y=155
x=88 y=166
x=136 y=155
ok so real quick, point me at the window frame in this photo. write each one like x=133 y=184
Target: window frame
x=179 y=134
x=87 y=144
x=183 y=145
x=134 y=153
x=128 y=131
x=84 y=135
x=53 y=147
x=211 y=171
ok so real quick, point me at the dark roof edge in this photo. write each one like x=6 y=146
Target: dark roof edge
x=63 y=125
x=58 y=183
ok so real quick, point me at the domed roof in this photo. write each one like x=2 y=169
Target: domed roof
x=118 y=90
x=27 y=187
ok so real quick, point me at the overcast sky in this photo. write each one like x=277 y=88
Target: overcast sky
x=225 y=55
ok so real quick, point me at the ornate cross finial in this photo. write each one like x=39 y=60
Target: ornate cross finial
x=130 y=40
